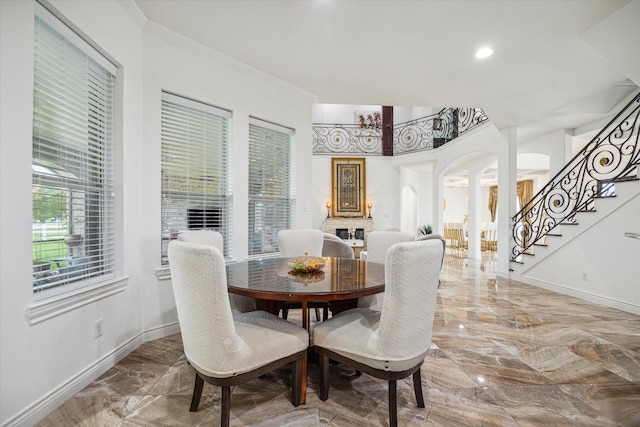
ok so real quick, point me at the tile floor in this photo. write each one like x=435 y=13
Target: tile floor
x=503 y=354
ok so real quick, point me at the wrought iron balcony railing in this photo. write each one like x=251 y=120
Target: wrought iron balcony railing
x=612 y=156
x=435 y=130
x=409 y=137
x=346 y=139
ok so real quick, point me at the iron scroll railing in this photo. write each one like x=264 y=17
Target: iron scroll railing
x=612 y=156
x=347 y=139
x=435 y=130
x=409 y=137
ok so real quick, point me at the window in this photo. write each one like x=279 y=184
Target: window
x=196 y=191
x=72 y=189
x=271 y=184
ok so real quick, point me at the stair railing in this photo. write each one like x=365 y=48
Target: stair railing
x=612 y=155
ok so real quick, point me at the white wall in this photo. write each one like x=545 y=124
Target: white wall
x=346 y=114
x=40 y=363
x=382 y=185
x=555 y=146
x=612 y=275
x=340 y=113
x=456 y=198
x=457 y=204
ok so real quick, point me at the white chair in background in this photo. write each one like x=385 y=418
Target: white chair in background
x=334 y=246
x=294 y=243
x=227 y=350
x=239 y=303
x=390 y=344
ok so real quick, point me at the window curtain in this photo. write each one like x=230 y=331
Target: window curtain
x=524 y=193
x=493 y=201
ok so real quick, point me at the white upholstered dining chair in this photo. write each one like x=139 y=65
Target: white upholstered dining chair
x=442 y=240
x=334 y=246
x=294 y=243
x=298 y=242
x=239 y=303
x=390 y=344
x=378 y=243
x=227 y=350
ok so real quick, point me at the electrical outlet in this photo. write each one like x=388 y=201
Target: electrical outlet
x=97 y=328
x=585 y=277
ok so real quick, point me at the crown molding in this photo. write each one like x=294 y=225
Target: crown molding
x=135 y=13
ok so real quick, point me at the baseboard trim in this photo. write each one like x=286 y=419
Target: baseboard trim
x=161 y=331
x=57 y=396
x=587 y=296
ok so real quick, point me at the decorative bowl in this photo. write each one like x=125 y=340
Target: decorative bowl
x=305 y=264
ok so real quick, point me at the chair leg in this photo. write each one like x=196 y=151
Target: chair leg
x=317 y=314
x=197 y=394
x=285 y=313
x=225 y=416
x=417 y=388
x=323 y=366
x=325 y=313
x=393 y=404
x=296 y=382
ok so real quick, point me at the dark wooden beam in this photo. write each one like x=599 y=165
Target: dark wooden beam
x=387 y=130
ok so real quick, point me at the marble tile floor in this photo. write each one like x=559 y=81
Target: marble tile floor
x=503 y=354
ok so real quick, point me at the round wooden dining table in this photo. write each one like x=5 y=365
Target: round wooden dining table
x=271 y=282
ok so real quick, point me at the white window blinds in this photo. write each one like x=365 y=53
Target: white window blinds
x=196 y=188
x=72 y=191
x=271 y=184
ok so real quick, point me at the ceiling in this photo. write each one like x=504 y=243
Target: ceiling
x=543 y=75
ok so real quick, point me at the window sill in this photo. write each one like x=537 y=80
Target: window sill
x=63 y=303
x=164 y=272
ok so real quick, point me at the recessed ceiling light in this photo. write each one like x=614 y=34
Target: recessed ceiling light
x=484 y=52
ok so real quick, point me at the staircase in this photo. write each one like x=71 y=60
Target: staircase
x=599 y=180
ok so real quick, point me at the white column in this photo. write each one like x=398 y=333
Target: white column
x=438 y=197
x=507 y=193
x=473 y=211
